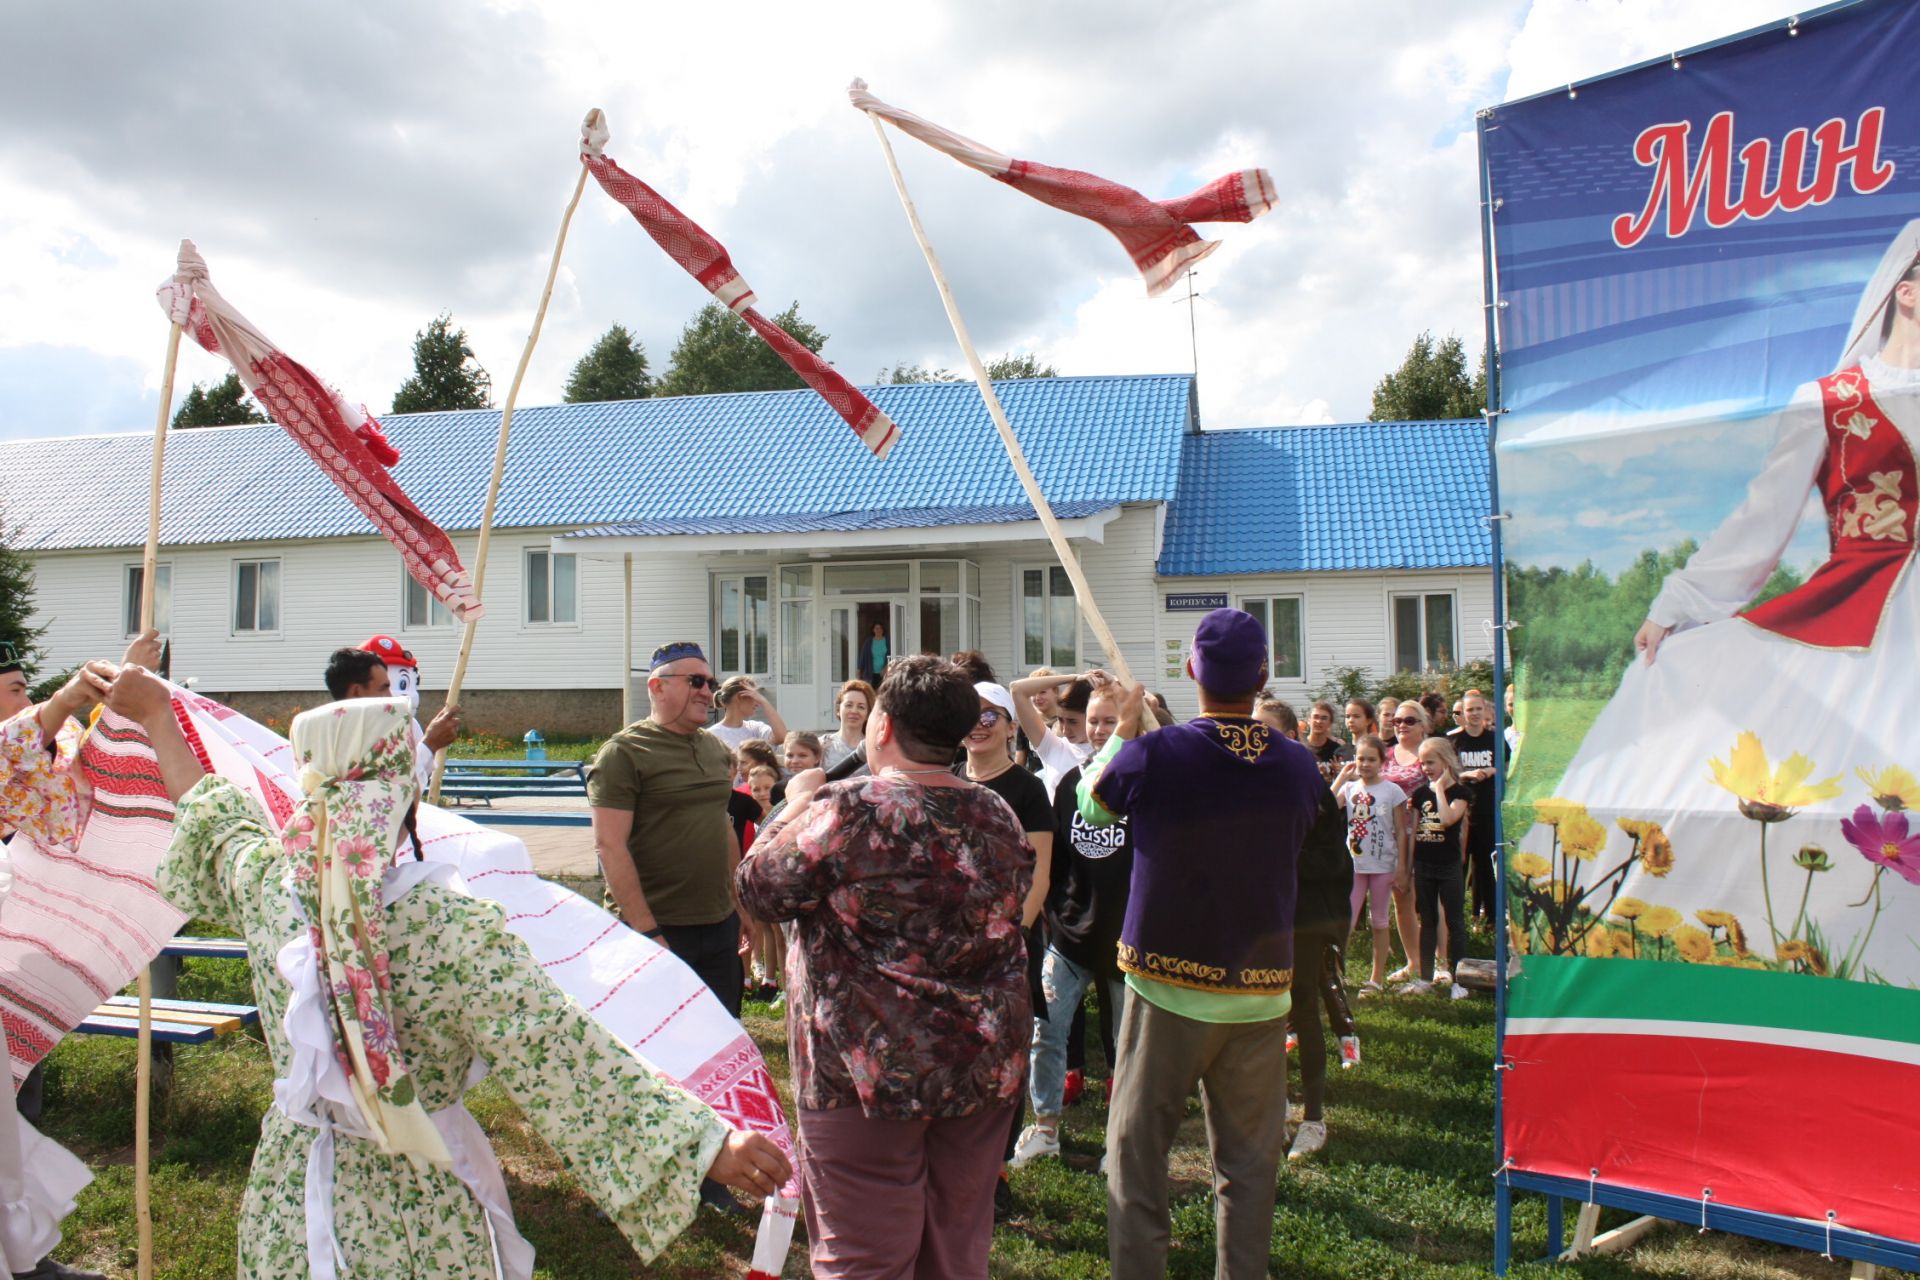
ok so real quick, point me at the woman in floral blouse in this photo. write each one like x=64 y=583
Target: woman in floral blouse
x=908 y=1014
x=382 y=985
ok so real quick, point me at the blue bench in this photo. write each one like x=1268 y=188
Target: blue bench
x=528 y=818
x=207 y=948
x=174 y=1021
x=488 y=780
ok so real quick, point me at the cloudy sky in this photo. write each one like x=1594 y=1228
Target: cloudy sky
x=351 y=171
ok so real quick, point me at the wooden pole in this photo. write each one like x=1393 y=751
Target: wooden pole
x=143 y=1064
x=500 y=468
x=1068 y=560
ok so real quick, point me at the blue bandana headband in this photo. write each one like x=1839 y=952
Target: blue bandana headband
x=675 y=652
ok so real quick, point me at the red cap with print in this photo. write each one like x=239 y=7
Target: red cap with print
x=390 y=651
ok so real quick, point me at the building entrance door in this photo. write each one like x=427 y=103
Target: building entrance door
x=853 y=628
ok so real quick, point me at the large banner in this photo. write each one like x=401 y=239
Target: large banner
x=1708 y=280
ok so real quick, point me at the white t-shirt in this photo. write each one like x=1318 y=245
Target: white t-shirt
x=1372 y=828
x=1058 y=758
x=835 y=749
x=748 y=729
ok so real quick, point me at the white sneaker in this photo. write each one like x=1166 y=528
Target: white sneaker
x=1293 y=1042
x=1459 y=992
x=1035 y=1141
x=1311 y=1136
x=1349 y=1051
x=1103 y=1164
x=1415 y=987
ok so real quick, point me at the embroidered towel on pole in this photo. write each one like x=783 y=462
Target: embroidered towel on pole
x=1153 y=232
x=347 y=443
x=705 y=259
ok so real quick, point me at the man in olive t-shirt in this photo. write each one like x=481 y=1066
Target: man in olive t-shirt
x=659 y=792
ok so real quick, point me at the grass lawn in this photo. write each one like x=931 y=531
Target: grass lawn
x=1403 y=1190
x=1551 y=732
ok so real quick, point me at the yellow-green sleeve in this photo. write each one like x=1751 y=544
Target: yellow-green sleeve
x=222 y=849
x=1095 y=813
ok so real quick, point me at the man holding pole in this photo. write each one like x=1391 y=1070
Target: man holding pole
x=1218 y=809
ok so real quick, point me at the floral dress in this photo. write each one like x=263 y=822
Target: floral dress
x=464 y=989
x=908 y=971
x=42 y=795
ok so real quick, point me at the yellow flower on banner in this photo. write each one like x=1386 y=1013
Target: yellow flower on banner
x=1530 y=865
x=1600 y=945
x=1695 y=947
x=1766 y=792
x=1715 y=919
x=1655 y=851
x=1737 y=936
x=1558 y=888
x=1516 y=939
x=1623 y=947
x=1554 y=811
x=1793 y=950
x=1628 y=908
x=1893 y=788
x=1660 y=921
x=1582 y=837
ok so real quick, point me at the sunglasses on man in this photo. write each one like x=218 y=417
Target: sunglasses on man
x=695 y=680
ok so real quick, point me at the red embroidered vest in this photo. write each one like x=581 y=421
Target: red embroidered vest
x=1868 y=485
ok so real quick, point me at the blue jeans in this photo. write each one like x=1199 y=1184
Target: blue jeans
x=1064 y=984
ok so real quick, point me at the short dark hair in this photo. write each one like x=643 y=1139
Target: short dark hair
x=975 y=664
x=348 y=667
x=932 y=705
x=1075 y=699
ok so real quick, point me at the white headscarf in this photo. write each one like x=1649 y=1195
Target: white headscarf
x=1867 y=334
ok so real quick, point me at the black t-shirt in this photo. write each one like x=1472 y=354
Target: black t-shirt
x=742 y=809
x=1026 y=795
x=1332 y=751
x=1436 y=847
x=1093 y=870
x=1476 y=752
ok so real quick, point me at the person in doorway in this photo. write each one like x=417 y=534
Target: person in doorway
x=659 y=792
x=874 y=651
x=1207 y=948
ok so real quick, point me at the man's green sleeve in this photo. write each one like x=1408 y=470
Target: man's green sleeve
x=1095 y=813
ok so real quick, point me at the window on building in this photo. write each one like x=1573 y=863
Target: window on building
x=552 y=589
x=1284 y=618
x=742 y=625
x=949 y=606
x=796 y=624
x=420 y=609
x=256 y=597
x=1049 y=620
x=162 y=598
x=1424 y=634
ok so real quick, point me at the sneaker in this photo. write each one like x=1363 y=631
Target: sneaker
x=1311 y=1136
x=1413 y=987
x=1349 y=1051
x=1293 y=1041
x=779 y=1000
x=1076 y=1084
x=1035 y=1141
x=1443 y=975
x=1404 y=973
x=1103 y=1164
x=1459 y=992
x=1002 y=1199
x=721 y=1201
x=49 y=1269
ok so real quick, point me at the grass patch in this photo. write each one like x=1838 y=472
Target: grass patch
x=493 y=746
x=1402 y=1191
x=1552 y=729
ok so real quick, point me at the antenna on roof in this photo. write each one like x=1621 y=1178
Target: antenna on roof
x=1193 y=330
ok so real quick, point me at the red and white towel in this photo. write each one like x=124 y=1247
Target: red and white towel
x=705 y=259
x=1154 y=233
x=345 y=442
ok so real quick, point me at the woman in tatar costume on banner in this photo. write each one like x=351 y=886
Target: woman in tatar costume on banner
x=385 y=990
x=1789 y=720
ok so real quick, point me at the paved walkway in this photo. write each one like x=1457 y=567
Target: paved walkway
x=556 y=851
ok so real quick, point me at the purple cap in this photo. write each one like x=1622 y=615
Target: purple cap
x=1230 y=653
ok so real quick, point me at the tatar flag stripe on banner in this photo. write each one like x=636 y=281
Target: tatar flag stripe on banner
x=1153 y=232
x=345 y=442
x=54 y=971
x=706 y=260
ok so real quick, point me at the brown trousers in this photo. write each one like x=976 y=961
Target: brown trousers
x=900 y=1199
x=1241 y=1069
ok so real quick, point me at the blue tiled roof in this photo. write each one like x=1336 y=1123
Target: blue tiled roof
x=843 y=521
x=1365 y=495
x=725 y=461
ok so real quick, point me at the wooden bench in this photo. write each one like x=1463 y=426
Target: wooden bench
x=484 y=781
x=174 y=1021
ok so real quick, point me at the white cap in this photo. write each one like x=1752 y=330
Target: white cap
x=996 y=694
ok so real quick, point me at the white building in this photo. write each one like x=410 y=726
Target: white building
x=757 y=525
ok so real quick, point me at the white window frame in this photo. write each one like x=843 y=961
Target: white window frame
x=280 y=603
x=1300 y=638
x=162 y=597
x=1453 y=612
x=769 y=580
x=1047 y=568
x=526 y=601
x=439 y=617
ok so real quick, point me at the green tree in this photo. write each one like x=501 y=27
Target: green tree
x=17 y=631
x=718 y=352
x=1014 y=364
x=219 y=404
x=614 y=369
x=1432 y=382
x=445 y=374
